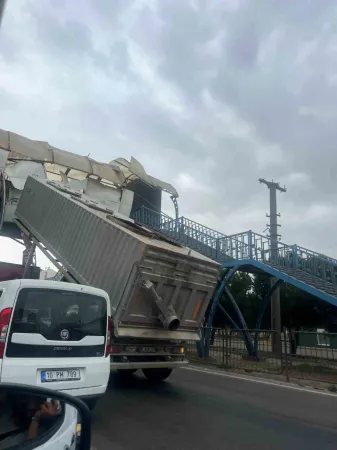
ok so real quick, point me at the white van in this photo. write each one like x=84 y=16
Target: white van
x=55 y=335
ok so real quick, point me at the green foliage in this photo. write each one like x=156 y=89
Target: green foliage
x=299 y=309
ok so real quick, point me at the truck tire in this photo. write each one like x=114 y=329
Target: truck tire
x=157 y=375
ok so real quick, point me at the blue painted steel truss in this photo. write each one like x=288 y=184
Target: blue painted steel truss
x=223 y=288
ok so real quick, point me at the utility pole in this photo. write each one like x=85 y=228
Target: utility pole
x=274 y=238
x=2 y=9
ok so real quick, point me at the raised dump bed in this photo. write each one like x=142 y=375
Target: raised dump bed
x=158 y=288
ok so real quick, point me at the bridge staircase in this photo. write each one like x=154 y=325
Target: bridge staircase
x=251 y=252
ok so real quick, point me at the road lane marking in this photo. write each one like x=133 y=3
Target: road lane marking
x=282 y=384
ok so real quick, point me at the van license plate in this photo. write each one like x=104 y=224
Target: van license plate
x=48 y=376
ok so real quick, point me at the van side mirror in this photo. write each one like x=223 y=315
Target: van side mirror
x=38 y=418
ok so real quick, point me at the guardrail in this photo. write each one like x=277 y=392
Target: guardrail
x=310 y=355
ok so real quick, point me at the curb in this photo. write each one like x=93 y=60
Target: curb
x=280 y=379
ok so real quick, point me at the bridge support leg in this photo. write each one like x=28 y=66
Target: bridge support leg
x=202 y=348
x=28 y=256
x=274 y=287
x=207 y=335
x=241 y=326
x=246 y=335
x=276 y=318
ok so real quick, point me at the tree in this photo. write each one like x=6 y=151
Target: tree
x=241 y=287
x=298 y=308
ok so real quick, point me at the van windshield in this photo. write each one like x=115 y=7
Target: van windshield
x=57 y=315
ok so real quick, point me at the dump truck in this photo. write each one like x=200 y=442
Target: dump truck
x=159 y=290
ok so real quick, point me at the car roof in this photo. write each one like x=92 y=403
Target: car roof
x=49 y=284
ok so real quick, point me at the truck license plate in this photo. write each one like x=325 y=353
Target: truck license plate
x=148 y=349
x=48 y=376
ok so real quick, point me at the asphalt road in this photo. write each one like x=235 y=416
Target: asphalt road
x=194 y=410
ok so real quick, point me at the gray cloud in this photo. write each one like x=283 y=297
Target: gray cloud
x=209 y=95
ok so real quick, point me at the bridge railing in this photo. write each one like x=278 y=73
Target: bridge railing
x=241 y=246
x=185 y=231
x=250 y=245
x=257 y=246
x=302 y=251
x=162 y=221
x=153 y=219
x=198 y=228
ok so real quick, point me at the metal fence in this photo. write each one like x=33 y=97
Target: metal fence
x=308 y=355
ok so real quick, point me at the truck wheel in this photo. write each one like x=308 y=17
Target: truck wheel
x=157 y=375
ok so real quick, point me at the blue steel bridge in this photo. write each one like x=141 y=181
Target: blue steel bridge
x=251 y=252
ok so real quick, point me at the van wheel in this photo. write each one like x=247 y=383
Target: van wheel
x=156 y=375
x=91 y=403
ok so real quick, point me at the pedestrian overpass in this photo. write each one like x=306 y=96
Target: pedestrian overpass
x=251 y=252
x=305 y=269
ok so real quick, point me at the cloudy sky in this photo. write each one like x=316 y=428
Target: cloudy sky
x=209 y=95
